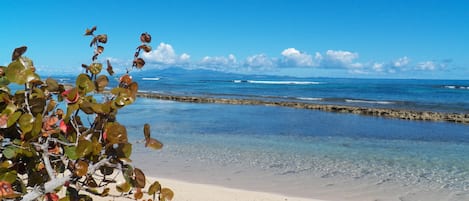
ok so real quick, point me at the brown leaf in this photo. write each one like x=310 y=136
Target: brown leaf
x=145 y=37
x=109 y=68
x=18 y=52
x=125 y=79
x=94 y=41
x=139 y=63
x=102 y=38
x=145 y=48
x=146 y=131
x=89 y=32
x=81 y=168
x=166 y=194
x=139 y=178
x=153 y=143
x=138 y=195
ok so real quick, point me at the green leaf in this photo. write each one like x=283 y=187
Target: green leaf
x=4 y=81
x=16 y=72
x=70 y=152
x=123 y=188
x=84 y=148
x=52 y=85
x=95 y=68
x=10 y=152
x=9 y=177
x=84 y=83
x=25 y=122
x=155 y=187
x=37 y=126
x=13 y=118
x=124 y=150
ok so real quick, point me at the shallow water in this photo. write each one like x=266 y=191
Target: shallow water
x=304 y=146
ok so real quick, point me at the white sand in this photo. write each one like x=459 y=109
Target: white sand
x=185 y=191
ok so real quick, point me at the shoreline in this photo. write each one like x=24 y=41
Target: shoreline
x=366 y=111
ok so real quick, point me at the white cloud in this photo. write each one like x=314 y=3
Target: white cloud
x=260 y=60
x=165 y=54
x=218 y=62
x=184 y=58
x=341 y=59
x=340 y=56
x=401 y=62
x=427 y=65
x=294 y=58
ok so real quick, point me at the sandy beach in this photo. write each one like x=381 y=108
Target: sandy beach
x=185 y=191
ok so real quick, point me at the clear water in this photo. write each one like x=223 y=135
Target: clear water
x=295 y=142
x=430 y=156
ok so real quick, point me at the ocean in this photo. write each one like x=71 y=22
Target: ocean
x=305 y=152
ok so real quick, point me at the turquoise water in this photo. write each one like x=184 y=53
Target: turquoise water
x=296 y=142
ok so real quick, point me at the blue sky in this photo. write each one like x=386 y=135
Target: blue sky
x=367 y=38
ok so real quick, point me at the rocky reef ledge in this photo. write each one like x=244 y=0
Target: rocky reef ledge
x=378 y=112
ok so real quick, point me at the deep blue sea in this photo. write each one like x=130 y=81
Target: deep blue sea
x=416 y=155
x=433 y=95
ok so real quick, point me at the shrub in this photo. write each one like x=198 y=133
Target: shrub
x=47 y=148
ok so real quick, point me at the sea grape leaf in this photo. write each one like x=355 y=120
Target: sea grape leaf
x=70 y=152
x=81 y=168
x=13 y=118
x=123 y=187
x=6 y=164
x=101 y=82
x=9 y=109
x=25 y=122
x=9 y=176
x=155 y=187
x=37 y=125
x=84 y=148
x=139 y=178
x=124 y=150
x=16 y=72
x=37 y=105
x=146 y=131
x=153 y=143
x=127 y=173
x=116 y=133
x=97 y=147
x=18 y=52
x=84 y=83
x=86 y=107
x=10 y=152
x=138 y=195
x=52 y=85
x=166 y=194
x=95 y=68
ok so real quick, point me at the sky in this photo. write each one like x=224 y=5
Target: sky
x=307 y=38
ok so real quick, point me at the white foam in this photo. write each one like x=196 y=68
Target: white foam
x=280 y=82
x=368 y=101
x=151 y=78
x=309 y=98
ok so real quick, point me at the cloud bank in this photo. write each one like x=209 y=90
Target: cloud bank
x=165 y=56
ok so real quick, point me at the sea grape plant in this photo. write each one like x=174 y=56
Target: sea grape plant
x=47 y=148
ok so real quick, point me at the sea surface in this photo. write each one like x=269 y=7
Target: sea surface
x=416 y=157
